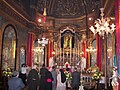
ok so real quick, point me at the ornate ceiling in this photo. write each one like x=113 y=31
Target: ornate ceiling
x=68 y=8
x=60 y=13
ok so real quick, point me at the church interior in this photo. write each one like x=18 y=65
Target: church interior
x=74 y=33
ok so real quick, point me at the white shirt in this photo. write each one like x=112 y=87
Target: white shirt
x=23 y=70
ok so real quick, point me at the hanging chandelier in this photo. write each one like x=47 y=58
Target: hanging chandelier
x=38 y=50
x=91 y=49
x=103 y=26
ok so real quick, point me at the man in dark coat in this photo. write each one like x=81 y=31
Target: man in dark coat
x=33 y=79
x=75 y=79
x=43 y=71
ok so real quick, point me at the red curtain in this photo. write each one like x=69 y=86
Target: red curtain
x=30 y=49
x=84 y=52
x=99 y=51
x=50 y=50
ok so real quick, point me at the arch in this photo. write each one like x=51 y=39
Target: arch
x=9 y=44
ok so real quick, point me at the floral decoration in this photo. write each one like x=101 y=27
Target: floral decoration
x=68 y=75
x=7 y=72
x=96 y=75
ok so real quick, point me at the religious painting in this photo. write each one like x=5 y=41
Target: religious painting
x=67 y=39
x=67 y=42
x=9 y=47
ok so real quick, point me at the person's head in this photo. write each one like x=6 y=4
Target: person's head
x=67 y=69
x=75 y=69
x=114 y=68
x=43 y=65
x=61 y=70
x=34 y=66
x=53 y=67
x=23 y=65
x=15 y=74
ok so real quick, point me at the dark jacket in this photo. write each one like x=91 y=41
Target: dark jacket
x=33 y=80
x=75 y=79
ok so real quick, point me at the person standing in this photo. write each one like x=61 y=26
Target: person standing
x=43 y=71
x=23 y=72
x=33 y=78
x=49 y=80
x=15 y=83
x=61 y=85
x=75 y=79
x=54 y=75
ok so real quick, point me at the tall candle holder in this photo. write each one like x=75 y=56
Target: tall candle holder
x=81 y=87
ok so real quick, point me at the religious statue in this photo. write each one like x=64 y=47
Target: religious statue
x=114 y=79
x=83 y=63
x=51 y=62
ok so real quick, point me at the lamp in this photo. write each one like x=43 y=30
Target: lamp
x=43 y=42
x=103 y=26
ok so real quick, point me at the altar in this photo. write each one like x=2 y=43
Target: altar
x=67 y=48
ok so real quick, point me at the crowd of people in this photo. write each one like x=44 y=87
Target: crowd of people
x=44 y=79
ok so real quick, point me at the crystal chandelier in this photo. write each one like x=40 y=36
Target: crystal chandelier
x=91 y=49
x=38 y=50
x=103 y=26
x=43 y=42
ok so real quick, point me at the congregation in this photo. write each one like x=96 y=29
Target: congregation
x=44 y=78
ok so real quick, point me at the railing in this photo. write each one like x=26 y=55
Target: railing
x=88 y=83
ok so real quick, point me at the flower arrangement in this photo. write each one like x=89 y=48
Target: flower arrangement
x=96 y=75
x=7 y=72
x=68 y=75
x=67 y=71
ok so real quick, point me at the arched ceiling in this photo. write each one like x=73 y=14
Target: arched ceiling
x=68 y=8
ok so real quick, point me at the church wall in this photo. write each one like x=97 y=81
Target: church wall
x=21 y=32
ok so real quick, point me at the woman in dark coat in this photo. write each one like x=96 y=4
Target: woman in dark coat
x=42 y=84
x=49 y=80
x=33 y=79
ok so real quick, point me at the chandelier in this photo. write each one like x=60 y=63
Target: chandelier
x=38 y=50
x=43 y=42
x=103 y=26
x=91 y=49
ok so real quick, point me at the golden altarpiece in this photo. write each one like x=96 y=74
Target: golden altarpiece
x=67 y=48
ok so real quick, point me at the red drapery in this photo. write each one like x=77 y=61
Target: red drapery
x=84 y=52
x=50 y=50
x=30 y=49
x=99 y=51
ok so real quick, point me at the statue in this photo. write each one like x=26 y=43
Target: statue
x=114 y=79
x=83 y=63
x=51 y=62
